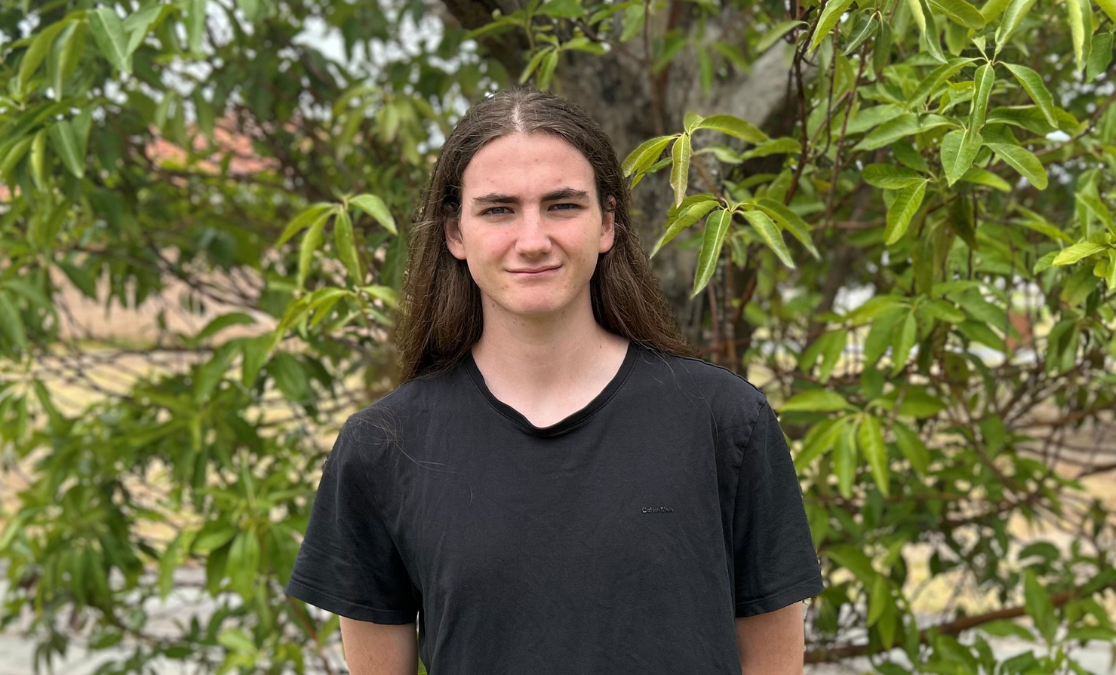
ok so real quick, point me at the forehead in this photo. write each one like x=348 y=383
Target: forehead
x=527 y=165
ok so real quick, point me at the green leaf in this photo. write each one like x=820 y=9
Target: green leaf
x=16 y=153
x=821 y=437
x=235 y=639
x=942 y=310
x=222 y=322
x=870 y=439
x=881 y=48
x=845 y=456
x=891 y=177
x=1100 y=55
x=961 y=12
x=791 y=222
x=209 y=374
x=646 y=154
x=917 y=402
x=633 y=22
x=38 y=159
x=878 y=598
x=774 y=34
x=874 y=308
x=1039 y=606
x=959 y=149
x=546 y=72
x=816 y=400
x=584 y=44
x=773 y=146
x=733 y=126
x=869 y=118
x=11 y=324
x=1036 y=222
x=1016 y=10
x=1029 y=117
x=912 y=447
x=828 y=19
x=905 y=338
x=906 y=204
x=108 y=31
x=1109 y=7
x=1079 y=31
x=1077 y=252
x=255 y=352
x=716 y=228
x=918 y=15
x=902 y=126
x=346 y=248
x=375 y=207
x=195 y=25
x=1045 y=262
x=1033 y=85
x=308 y=215
x=866 y=24
x=690 y=120
x=928 y=29
x=832 y=345
x=687 y=217
x=139 y=23
x=1006 y=628
x=937 y=77
x=1090 y=207
x=64 y=57
x=680 y=169
x=982 y=87
x=987 y=178
x=1023 y=161
x=909 y=157
x=66 y=145
x=991 y=10
x=562 y=9
x=37 y=51
x=311 y=242
x=532 y=65
x=770 y=234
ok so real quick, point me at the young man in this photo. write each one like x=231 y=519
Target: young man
x=557 y=486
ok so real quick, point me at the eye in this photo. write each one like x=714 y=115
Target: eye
x=493 y=211
x=572 y=207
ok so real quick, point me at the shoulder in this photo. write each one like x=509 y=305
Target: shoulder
x=732 y=401
x=389 y=418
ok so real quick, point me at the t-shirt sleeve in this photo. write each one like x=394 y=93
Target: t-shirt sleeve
x=775 y=561
x=348 y=563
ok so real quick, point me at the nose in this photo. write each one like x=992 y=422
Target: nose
x=533 y=240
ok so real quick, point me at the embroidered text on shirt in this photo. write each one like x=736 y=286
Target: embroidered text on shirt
x=657 y=509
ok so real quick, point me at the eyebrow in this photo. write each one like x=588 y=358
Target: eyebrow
x=563 y=193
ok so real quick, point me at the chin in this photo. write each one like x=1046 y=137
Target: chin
x=534 y=308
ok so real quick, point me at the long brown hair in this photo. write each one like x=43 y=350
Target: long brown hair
x=441 y=304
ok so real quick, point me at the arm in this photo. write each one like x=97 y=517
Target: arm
x=772 y=643
x=379 y=649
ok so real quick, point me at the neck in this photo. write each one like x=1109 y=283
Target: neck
x=543 y=352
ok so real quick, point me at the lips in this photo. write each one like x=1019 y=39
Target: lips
x=535 y=271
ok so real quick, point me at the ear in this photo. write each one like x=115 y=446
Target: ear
x=608 y=227
x=453 y=238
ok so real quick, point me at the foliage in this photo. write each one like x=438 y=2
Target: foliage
x=955 y=164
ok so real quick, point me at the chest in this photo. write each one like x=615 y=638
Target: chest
x=475 y=508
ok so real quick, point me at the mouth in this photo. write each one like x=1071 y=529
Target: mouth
x=537 y=272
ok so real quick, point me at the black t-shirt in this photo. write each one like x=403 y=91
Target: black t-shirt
x=623 y=539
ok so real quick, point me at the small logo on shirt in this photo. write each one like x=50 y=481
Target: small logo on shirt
x=657 y=509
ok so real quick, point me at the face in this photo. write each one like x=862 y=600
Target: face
x=531 y=228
